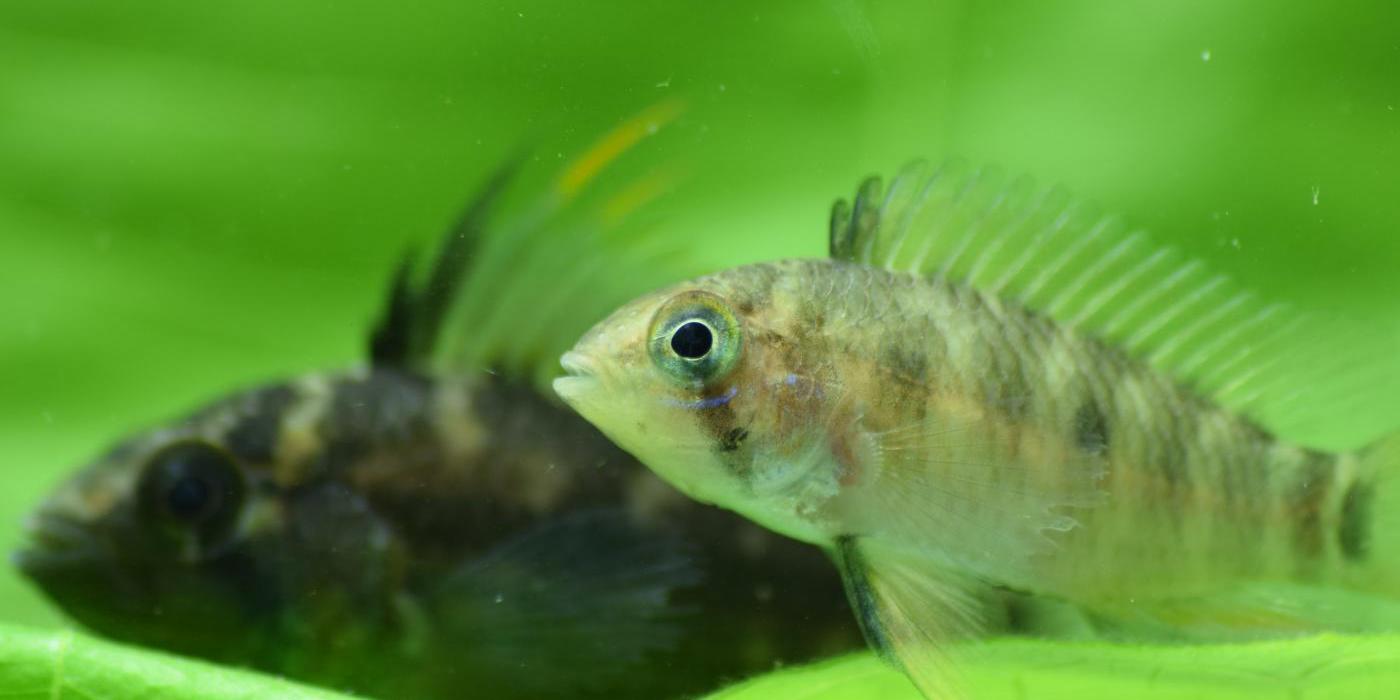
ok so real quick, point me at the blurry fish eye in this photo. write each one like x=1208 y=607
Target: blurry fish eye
x=692 y=340
x=191 y=486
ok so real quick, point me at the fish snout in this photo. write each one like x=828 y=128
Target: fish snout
x=54 y=542
x=580 y=379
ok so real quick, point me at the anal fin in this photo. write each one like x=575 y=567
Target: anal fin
x=1255 y=611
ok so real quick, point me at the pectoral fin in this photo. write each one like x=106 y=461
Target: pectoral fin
x=567 y=605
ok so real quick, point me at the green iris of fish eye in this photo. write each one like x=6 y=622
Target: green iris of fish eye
x=708 y=363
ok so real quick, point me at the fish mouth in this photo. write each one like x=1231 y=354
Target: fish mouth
x=577 y=364
x=581 y=376
x=56 y=543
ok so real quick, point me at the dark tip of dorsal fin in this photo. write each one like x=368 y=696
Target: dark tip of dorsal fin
x=389 y=342
x=412 y=317
x=854 y=226
x=839 y=241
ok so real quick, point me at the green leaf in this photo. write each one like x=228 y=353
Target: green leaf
x=63 y=664
x=1325 y=666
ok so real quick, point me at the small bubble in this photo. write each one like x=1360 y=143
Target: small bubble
x=1235 y=243
x=722 y=88
x=500 y=598
x=1205 y=55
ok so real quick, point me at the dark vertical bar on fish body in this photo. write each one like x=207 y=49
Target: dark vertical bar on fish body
x=1354 y=525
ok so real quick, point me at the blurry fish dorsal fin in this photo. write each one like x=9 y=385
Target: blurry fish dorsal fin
x=413 y=315
x=509 y=292
x=1061 y=257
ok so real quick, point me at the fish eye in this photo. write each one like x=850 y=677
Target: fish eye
x=192 y=488
x=695 y=338
x=692 y=340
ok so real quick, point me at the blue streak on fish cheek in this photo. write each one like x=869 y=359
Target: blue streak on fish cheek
x=705 y=403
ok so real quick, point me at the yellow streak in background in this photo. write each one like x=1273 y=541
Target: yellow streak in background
x=636 y=196
x=614 y=143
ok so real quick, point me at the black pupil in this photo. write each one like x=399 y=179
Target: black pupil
x=188 y=497
x=692 y=340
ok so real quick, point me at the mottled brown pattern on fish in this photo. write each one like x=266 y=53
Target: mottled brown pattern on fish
x=1194 y=495
x=255 y=433
x=393 y=440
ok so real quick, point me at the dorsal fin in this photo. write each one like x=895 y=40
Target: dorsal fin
x=413 y=315
x=509 y=293
x=1061 y=257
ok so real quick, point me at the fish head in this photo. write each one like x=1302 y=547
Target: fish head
x=164 y=540
x=702 y=384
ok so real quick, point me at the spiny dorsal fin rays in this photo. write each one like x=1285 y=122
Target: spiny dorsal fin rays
x=412 y=319
x=586 y=250
x=1058 y=256
x=514 y=312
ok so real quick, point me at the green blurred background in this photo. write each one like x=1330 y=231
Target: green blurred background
x=197 y=196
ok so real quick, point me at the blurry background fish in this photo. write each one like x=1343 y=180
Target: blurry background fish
x=434 y=521
x=197 y=199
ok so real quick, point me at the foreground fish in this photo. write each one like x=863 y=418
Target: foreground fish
x=986 y=386
x=410 y=531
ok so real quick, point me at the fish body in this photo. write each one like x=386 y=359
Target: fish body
x=424 y=524
x=368 y=494
x=940 y=438
x=867 y=392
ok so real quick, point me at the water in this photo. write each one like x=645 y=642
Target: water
x=193 y=200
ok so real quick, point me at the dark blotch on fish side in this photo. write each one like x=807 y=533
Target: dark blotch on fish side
x=1181 y=431
x=386 y=408
x=907 y=364
x=1354 y=531
x=1307 y=500
x=254 y=436
x=760 y=295
x=384 y=402
x=732 y=439
x=1091 y=428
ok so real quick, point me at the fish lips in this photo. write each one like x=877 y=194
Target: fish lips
x=581 y=379
x=59 y=547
